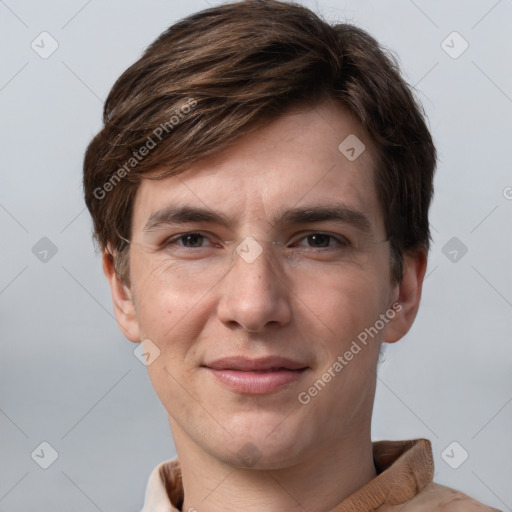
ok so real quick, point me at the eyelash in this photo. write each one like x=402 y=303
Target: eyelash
x=342 y=242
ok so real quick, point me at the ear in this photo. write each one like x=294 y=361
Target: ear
x=407 y=296
x=124 y=308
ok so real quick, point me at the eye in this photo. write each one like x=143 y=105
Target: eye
x=187 y=240
x=325 y=240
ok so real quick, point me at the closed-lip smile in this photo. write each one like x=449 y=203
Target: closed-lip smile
x=256 y=376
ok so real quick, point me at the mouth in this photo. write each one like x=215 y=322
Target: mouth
x=256 y=376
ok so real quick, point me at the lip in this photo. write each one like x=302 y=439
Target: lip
x=256 y=376
x=258 y=364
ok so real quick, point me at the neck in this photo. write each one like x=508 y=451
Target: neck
x=316 y=483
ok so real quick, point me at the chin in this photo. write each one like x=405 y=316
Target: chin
x=263 y=445
x=260 y=456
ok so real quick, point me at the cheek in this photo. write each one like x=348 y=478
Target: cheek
x=343 y=302
x=172 y=315
x=345 y=305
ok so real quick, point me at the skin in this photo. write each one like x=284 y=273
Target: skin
x=306 y=304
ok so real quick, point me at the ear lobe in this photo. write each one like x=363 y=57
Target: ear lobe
x=124 y=308
x=409 y=295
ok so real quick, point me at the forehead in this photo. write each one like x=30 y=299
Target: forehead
x=309 y=156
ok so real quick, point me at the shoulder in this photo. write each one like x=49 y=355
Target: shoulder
x=435 y=497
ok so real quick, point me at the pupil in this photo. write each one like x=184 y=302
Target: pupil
x=319 y=238
x=192 y=238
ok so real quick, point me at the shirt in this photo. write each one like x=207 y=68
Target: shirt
x=404 y=483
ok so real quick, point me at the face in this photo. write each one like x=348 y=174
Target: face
x=256 y=275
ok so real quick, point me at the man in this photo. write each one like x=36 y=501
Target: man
x=260 y=192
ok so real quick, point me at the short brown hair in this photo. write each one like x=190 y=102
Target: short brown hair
x=223 y=72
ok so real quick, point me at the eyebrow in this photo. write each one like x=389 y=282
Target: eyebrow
x=172 y=215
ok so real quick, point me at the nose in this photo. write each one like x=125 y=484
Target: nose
x=253 y=294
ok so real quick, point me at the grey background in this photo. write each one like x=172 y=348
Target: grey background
x=67 y=375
